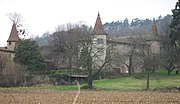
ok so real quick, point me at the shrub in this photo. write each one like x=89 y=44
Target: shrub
x=12 y=74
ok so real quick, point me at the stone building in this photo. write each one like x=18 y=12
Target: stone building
x=129 y=49
x=99 y=42
x=11 y=43
x=133 y=49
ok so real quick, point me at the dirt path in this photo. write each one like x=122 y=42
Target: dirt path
x=88 y=97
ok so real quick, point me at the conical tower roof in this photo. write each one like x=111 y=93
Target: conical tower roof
x=98 y=28
x=154 y=28
x=13 y=35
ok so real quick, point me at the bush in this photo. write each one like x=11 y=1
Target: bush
x=59 y=77
x=12 y=73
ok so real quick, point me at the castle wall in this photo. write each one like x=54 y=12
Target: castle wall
x=7 y=53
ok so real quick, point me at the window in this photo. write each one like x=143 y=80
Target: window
x=9 y=55
x=100 y=41
x=9 y=43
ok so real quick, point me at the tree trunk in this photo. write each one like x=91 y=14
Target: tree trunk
x=90 y=79
x=130 y=65
x=169 y=72
x=170 y=68
x=90 y=84
x=147 y=85
x=70 y=62
x=154 y=68
x=177 y=71
x=90 y=76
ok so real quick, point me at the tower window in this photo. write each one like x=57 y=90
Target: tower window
x=9 y=55
x=9 y=43
x=100 y=41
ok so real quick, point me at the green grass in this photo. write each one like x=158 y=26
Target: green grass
x=131 y=83
x=122 y=83
x=63 y=88
x=57 y=88
x=126 y=83
x=138 y=82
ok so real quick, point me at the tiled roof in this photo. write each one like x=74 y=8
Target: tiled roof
x=13 y=35
x=4 y=49
x=98 y=28
x=154 y=28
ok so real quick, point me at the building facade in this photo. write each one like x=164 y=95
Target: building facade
x=8 y=51
x=99 y=43
x=128 y=50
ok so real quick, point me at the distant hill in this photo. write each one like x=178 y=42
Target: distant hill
x=136 y=26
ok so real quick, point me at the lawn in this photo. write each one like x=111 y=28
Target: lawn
x=131 y=83
x=138 y=81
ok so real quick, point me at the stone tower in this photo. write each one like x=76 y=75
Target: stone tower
x=154 y=28
x=99 y=42
x=154 y=43
x=13 y=38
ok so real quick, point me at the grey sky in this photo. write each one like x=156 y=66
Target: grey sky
x=41 y=16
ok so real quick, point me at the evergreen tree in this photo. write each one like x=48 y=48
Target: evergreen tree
x=27 y=53
x=175 y=34
x=175 y=27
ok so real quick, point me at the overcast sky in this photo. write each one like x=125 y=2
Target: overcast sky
x=41 y=16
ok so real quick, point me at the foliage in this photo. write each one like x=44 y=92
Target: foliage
x=27 y=53
x=175 y=27
x=135 y=26
x=64 y=45
x=175 y=37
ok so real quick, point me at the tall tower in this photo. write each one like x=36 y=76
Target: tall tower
x=13 y=38
x=99 y=42
x=154 y=43
x=154 y=28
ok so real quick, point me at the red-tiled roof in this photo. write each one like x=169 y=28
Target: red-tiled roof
x=13 y=35
x=154 y=28
x=98 y=28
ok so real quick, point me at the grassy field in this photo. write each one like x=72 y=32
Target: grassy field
x=138 y=82
x=121 y=83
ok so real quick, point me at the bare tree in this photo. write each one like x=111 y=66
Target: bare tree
x=15 y=17
x=75 y=44
x=168 y=53
x=18 y=20
x=92 y=57
x=64 y=42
